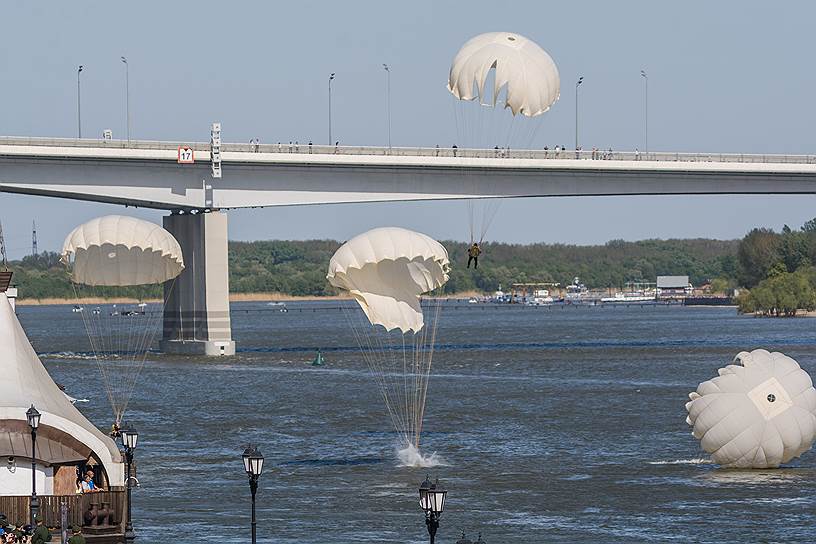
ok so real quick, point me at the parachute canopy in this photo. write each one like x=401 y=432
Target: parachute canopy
x=759 y=412
x=386 y=270
x=531 y=77
x=120 y=250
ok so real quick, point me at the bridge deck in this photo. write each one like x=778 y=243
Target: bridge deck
x=145 y=173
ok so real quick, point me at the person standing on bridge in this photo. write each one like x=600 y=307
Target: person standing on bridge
x=454 y=149
x=310 y=147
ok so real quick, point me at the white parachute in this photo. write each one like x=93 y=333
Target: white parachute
x=386 y=271
x=520 y=64
x=759 y=412
x=117 y=264
x=507 y=69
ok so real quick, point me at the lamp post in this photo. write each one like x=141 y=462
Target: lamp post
x=129 y=439
x=331 y=78
x=79 y=104
x=253 y=465
x=646 y=112
x=33 y=417
x=432 y=501
x=577 y=84
x=127 y=96
x=388 y=101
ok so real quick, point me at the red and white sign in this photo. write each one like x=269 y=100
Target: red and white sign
x=185 y=155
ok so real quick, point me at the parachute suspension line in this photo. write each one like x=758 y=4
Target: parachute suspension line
x=97 y=348
x=119 y=340
x=374 y=356
x=425 y=352
x=400 y=368
x=147 y=337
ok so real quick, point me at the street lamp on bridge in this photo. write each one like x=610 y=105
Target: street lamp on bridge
x=646 y=112
x=577 y=84
x=388 y=101
x=79 y=104
x=127 y=96
x=331 y=78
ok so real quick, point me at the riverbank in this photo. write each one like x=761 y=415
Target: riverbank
x=234 y=297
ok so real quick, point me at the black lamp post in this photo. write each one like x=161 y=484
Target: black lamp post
x=432 y=501
x=253 y=465
x=33 y=417
x=129 y=439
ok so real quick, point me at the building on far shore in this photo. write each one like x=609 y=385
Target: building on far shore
x=673 y=287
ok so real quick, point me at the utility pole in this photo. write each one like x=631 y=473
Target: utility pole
x=34 y=251
x=79 y=105
x=3 y=248
x=577 y=84
x=331 y=78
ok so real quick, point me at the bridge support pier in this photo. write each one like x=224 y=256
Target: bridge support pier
x=196 y=311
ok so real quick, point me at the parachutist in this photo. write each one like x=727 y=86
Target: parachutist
x=473 y=255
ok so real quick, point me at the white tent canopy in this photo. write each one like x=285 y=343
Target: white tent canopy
x=121 y=250
x=386 y=270
x=24 y=382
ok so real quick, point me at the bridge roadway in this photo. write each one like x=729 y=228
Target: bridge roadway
x=197 y=312
x=142 y=173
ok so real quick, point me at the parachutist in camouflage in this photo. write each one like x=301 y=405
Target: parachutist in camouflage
x=473 y=255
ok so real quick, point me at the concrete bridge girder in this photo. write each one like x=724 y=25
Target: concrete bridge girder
x=197 y=320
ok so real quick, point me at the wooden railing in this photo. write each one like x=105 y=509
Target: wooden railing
x=16 y=508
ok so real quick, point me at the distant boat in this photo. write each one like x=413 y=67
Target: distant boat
x=77 y=308
x=627 y=298
x=281 y=306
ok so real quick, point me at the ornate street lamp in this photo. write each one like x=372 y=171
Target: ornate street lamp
x=253 y=465
x=129 y=440
x=432 y=501
x=33 y=417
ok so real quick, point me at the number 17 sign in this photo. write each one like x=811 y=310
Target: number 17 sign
x=185 y=155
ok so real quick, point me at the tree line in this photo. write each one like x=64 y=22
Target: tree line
x=778 y=268
x=299 y=268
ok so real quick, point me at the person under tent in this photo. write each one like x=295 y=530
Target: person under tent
x=473 y=255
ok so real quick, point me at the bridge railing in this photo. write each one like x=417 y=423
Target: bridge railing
x=435 y=151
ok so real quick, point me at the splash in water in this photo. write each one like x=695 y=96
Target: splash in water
x=410 y=456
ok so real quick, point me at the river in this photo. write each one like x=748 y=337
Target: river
x=556 y=424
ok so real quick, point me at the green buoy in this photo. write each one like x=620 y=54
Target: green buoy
x=318 y=360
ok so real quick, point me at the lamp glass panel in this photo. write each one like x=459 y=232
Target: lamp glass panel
x=438 y=500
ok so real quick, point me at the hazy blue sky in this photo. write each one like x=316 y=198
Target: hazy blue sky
x=724 y=76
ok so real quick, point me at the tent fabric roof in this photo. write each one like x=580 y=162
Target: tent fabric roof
x=25 y=381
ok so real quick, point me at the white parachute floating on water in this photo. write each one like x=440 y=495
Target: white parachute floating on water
x=116 y=264
x=499 y=69
x=386 y=271
x=759 y=412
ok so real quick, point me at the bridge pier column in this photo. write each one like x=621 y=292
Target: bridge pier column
x=196 y=311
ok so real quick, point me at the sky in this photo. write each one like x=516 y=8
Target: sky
x=726 y=76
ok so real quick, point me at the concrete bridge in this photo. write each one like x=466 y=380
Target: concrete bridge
x=149 y=174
